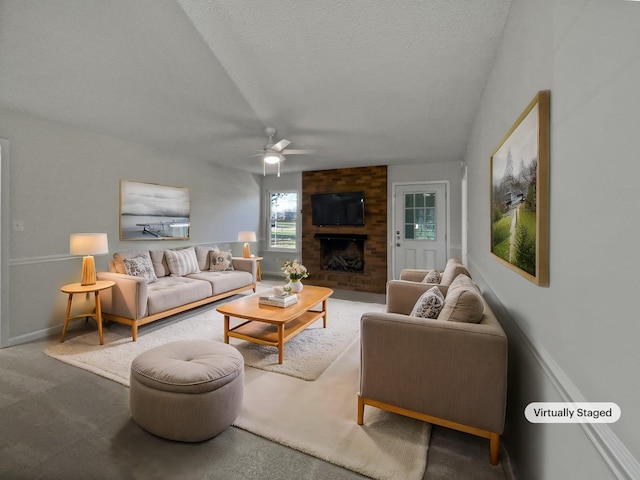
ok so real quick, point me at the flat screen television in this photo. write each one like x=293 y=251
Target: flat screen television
x=343 y=208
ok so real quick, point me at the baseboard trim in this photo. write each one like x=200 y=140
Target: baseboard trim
x=623 y=464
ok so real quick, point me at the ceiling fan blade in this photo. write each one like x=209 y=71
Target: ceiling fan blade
x=297 y=152
x=281 y=145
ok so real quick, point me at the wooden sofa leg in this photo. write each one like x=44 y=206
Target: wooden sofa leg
x=134 y=331
x=494 y=447
x=360 y=410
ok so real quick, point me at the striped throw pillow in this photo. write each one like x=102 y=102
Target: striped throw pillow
x=182 y=262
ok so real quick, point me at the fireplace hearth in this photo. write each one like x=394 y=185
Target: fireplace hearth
x=342 y=252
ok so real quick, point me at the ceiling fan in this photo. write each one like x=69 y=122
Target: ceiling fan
x=274 y=153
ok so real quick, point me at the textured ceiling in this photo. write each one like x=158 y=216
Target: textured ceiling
x=360 y=82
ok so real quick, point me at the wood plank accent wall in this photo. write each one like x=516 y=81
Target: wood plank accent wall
x=373 y=182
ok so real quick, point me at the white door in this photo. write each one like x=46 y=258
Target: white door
x=420 y=226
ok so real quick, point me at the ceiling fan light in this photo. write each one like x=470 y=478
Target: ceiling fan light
x=272 y=158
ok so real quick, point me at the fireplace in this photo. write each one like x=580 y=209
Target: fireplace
x=341 y=252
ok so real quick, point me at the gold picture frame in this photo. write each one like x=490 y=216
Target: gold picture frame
x=149 y=211
x=519 y=194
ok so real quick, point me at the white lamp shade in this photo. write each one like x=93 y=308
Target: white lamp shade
x=88 y=244
x=247 y=237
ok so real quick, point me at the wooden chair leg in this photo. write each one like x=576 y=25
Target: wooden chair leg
x=360 y=410
x=494 y=447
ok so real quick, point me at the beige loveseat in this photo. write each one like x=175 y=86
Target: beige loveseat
x=171 y=281
x=449 y=371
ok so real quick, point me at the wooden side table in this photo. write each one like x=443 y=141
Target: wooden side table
x=258 y=273
x=74 y=288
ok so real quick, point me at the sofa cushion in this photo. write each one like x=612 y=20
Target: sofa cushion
x=451 y=271
x=182 y=262
x=220 y=261
x=429 y=304
x=118 y=259
x=202 y=254
x=222 y=282
x=463 y=302
x=432 y=277
x=140 y=266
x=170 y=292
x=159 y=262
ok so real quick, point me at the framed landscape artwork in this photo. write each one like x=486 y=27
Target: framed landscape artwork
x=519 y=171
x=154 y=212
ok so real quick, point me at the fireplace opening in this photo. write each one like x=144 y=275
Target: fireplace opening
x=342 y=252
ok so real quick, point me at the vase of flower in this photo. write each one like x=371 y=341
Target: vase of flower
x=295 y=286
x=295 y=272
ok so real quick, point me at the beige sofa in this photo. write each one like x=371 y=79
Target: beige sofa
x=136 y=300
x=449 y=371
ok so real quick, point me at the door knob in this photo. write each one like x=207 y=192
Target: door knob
x=398 y=244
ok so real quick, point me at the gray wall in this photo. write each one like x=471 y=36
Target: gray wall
x=576 y=339
x=65 y=180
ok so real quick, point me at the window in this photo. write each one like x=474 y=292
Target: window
x=283 y=221
x=420 y=216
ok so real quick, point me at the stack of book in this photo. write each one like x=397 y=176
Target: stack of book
x=283 y=300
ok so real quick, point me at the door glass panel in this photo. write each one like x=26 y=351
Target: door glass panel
x=409 y=215
x=408 y=200
x=409 y=232
x=420 y=216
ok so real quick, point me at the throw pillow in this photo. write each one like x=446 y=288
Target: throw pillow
x=429 y=304
x=452 y=270
x=140 y=266
x=220 y=261
x=118 y=258
x=182 y=262
x=432 y=277
x=464 y=302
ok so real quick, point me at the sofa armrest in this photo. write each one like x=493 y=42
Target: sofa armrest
x=450 y=370
x=127 y=298
x=402 y=295
x=246 y=265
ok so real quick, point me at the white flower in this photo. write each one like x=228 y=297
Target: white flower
x=294 y=270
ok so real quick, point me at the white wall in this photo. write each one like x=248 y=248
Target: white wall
x=65 y=180
x=577 y=339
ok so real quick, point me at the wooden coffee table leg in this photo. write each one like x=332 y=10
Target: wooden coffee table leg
x=324 y=317
x=226 y=329
x=280 y=342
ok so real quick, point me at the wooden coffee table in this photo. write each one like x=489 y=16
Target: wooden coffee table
x=274 y=326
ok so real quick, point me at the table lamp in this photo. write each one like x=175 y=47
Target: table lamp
x=88 y=244
x=246 y=237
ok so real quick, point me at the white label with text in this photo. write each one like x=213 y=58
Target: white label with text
x=572 y=412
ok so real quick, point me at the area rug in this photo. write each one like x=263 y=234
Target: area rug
x=319 y=418
x=306 y=356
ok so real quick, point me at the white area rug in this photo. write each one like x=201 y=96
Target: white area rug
x=316 y=417
x=306 y=356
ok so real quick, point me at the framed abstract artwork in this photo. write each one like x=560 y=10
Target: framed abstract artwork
x=149 y=211
x=519 y=203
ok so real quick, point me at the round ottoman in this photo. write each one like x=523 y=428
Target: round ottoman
x=188 y=390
